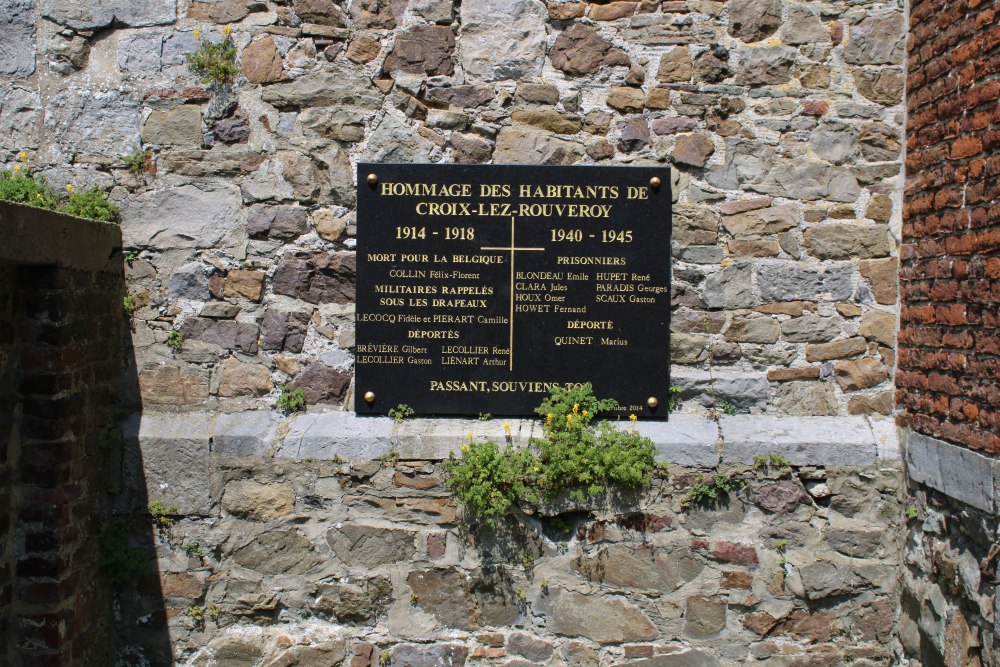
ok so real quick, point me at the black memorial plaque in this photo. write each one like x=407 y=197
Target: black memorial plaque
x=480 y=286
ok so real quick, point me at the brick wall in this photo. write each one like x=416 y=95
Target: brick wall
x=60 y=356
x=949 y=348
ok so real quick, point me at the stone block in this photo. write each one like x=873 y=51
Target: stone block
x=251 y=433
x=175 y=454
x=801 y=440
x=955 y=471
x=330 y=434
x=685 y=440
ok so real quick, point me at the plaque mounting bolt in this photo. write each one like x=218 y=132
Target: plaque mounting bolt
x=369 y=397
x=652 y=402
x=372 y=179
x=654 y=182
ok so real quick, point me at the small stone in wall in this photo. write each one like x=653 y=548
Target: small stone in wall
x=712 y=66
x=704 y=616
x=633 y=134
x=246 y=284
x=322 y=12
x=256 y=501
x=422 y=49
x=754 y=20
x=521 y=145
x=856 y=374
x=234 y=129
x=580 y=50
x=781 y=497
x=882 y=86
x=228 y=334
x=626 y=99
x=692 y=150
x=240 y=379
x=173 y=385
x=470 y=148
x=840 y=241
x=805 y=398
x=180 y=126
x=611 y=11
x=878 y=38
x=675 y=67
x=880 y=403
x=429 y=655
x=545 y=119
x=565 y=11
x=279 y=222
x=261 y=62
x=321 y=384
x=883 y=277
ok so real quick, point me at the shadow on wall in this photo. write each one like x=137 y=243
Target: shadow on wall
x=77 y=546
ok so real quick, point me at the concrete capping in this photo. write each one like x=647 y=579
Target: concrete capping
x=801 y=440
x=42 y=237
x=955 y=471
x=688 y=440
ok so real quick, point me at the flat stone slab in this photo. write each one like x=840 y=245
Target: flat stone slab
x=251 y=433
x=801 y=440
x=437 y=438
x=328 y=435
x=684 y=440
x=952 y=470
x=174 y=450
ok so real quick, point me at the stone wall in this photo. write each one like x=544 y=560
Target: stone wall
x=279 y=554
x=61 y=322
x=782 y=121
x=948 y=357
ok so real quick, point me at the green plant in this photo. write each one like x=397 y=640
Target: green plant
x=544 y=586
x=414 y=598
x=485 y=416
x=392 y=458
x=521 y=595
x=401 y=412
x=130 y=304
x=119 y=560
x=193 y=549
x=527 y=561
x=573 y=457
x=197 y=613
x=674 y=401
x=291 y=401
x=781 y=546
x=384 y=658
x=769 y=460
x=92 y=204
x=175 y=340
x=728 y=408
x=215 y=63
x=720 y=485
x=131 y=256
x=18 y=184
x=138 y=160
x=214 y=612
x=912 y=513
x=162 y=514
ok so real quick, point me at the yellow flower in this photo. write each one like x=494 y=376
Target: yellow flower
x=506 y=428
x=38 y=195
x=470 y=435
x=584 y=413
x=197 y=34
x=633 y=418
x=22 y=156
x=548 y=418
x=228 y=29
x=576 y=408
x=17 y=169
x=70 y=188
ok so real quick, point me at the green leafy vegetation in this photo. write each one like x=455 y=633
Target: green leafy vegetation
x=728 y=408
x=711 y=491
x=163 y=515
x=92 y=204
x=291 y=401
x=21 y=186
x=175 y=340
x=769 y=460
x=384 y=658
x=193 y=549
x=674 y=402
x=214 y=63
x=138 y=160
x=130 y=304
x=575 y=457
x=401 y=412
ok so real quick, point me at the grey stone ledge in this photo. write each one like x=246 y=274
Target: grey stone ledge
x=954 y=471
x=37 y=236
x=802 y=440
x=689 y=440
